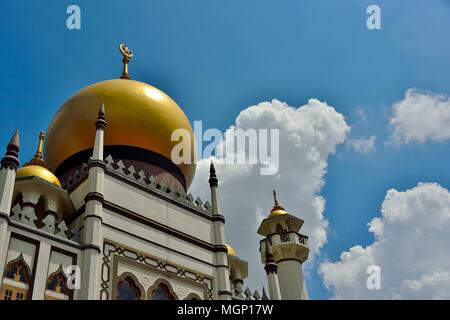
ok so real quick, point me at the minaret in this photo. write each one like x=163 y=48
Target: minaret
x=223 y=272
x=285 y=247
x=92 y=217
x=271 y=270
x=9 y=165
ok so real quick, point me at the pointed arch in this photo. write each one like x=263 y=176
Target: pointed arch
x=41 y=209
x=161 y=290
x=192 y=296
x=16 y=280
x=57 y=283
x=129 y=288
x=279 y=228
x=18 y=270
x=17 y=200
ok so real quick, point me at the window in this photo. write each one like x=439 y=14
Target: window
x=162 y=292
x=18 y=271
x=127 y=290
x=16 y=280
x=57 y=286
x=8 y=294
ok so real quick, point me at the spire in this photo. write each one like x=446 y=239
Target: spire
x=127 y=55
x=100 y=126
x=37 y=160
x=11 y=158
x=213 y=181
x=101 y=120
x=275 y=200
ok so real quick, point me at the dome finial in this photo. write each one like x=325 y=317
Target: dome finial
x=127 y=55
x=37 y=160
x=277 y=209
x=275 y=199
x=38 y=154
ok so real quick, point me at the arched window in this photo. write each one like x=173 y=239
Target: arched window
x=16 y=280
x=279 y=228
x=57 y=286
x=128 y=290
x=162 y=292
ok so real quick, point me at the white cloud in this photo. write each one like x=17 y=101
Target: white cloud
x=308 y=136
x=411 y=247
x=362 y=145
x=420 y=117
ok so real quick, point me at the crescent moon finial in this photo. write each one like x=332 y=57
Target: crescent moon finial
x=127 y=55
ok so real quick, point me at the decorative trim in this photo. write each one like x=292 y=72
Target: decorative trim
x=160 y=245
x=225 y=292
x=163 y=228
x=289 y=259
x=94 y=196
x=218 y=217
x=271 y=267
x=95 y=163
x=93 y=216
x=5 y=216
x=112 y=249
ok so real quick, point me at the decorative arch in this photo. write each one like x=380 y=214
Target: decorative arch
x=41 y=210
x=161 y=290
x=192 y=296
x=129 y=288
x=17 y=200
x=18 y=270
x=279 y=228
x=16 y=280
x=57 y=285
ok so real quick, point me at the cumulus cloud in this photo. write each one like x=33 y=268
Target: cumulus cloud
x=308 y=135
x=411 y=247
x=362 y=145
x=420 y=117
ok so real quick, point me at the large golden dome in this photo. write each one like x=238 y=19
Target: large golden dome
x=138 y=115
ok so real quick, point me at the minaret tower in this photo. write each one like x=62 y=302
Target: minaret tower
x=223 y=272
x=9 y=164
x=92 y=231
x=283 y=251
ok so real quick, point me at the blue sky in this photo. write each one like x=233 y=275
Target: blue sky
x=215 y=58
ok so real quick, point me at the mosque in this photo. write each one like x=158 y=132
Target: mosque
x=106 y=214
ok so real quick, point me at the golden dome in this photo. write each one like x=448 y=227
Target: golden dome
x=38 y=171
x=231 y=251
x=277 y=210
x=138 y=115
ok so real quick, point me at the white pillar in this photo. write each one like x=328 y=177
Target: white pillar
x=40 y=281
x=92 y=232
x=223 y=271
x=9 y=165
x=292 y=280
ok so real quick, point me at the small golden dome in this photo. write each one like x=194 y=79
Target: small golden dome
x=277 y=210
x=138 y=115
x=231 y=251
x=38 y=171
x=37 y=167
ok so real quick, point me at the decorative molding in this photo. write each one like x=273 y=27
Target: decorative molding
x=111 y=249
x=163 y=228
